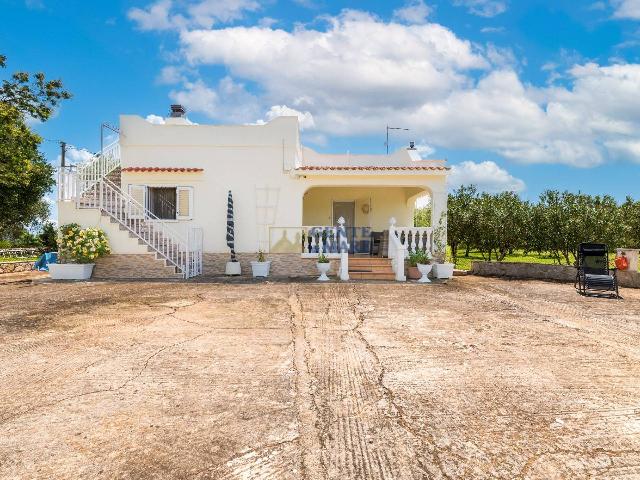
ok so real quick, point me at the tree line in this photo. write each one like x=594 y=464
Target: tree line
x=498 y=224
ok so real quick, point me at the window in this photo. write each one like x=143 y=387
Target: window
x=161 y=201
x=165 y=203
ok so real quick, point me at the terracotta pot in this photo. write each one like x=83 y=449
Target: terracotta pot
x=413 y=273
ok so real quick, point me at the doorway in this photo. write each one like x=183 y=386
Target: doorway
x=346 y=210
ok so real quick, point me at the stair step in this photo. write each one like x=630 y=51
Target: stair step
x=369 y=261
x=371 y=268
x=371 y=276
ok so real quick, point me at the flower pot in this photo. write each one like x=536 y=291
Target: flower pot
x=413 y=273
x=424 y=269
x=70 y=271
x=260 y=269
x=443 y=270
x=233 y=268
x=323 y=268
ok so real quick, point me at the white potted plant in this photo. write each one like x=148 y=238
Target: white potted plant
x=323 y=267
x=261 y=266
x=77 y=251
x=441 y=269
x=420 y=266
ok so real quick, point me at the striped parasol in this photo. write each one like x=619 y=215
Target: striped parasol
x=230 y=228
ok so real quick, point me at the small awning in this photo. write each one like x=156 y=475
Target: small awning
x=163 y=169
x=373 y=168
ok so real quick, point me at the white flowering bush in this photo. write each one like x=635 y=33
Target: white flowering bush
x=77 y=245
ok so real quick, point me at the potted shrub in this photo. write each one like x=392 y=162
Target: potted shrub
x=77 y=251
x=420 y=266
x=261 y=266
x=441 y=269
x=323 y=267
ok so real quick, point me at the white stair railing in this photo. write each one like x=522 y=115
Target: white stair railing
x=154 y=232
x=98 y=167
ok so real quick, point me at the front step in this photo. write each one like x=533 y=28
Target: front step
x=370 y=268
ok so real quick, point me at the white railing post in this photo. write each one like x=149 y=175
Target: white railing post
x=343 y=248
x=397 y=252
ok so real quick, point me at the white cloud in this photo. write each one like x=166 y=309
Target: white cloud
x=207 y=12
x=361 y=73
x=171 y=75
x=627 y=9
x=228 y=101
x=358 y=61
x=487 y=176
x=414 y=11
x=425 y=150
x=625 y=149
x=483 y=8
x=167 y=15
x=154 y=17
x=75 y=156
x=492 y=29
x=155 y=119
x=305 y=119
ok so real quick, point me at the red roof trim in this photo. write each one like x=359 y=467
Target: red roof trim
x=163 y=169
x=408 y=167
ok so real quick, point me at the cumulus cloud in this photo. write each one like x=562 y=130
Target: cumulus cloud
x=483 y=8
x=167 y=14
x=227 y=101
x=154 y=17
x=415 y=11
x=305 y=119
x=360 y=73
x=627 y=9
x=357 y=62
x=155 y=119
x=425 y=150
x=487 y=176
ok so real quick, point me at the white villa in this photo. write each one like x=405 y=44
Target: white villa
x=160 y=194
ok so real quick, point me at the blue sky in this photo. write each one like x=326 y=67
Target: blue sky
x=523 y=95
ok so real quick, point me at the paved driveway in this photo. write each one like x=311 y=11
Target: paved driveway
x=475 y=379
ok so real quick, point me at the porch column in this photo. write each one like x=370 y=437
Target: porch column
x=439 y=198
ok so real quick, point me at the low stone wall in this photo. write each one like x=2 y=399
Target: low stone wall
x=13 y=267
x=122 y=266
x=537 y=271
x=282 y=264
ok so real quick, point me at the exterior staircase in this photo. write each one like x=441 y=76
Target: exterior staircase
x=96 y=184
x=370 y=268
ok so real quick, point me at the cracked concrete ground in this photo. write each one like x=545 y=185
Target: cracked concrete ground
x=480 y=378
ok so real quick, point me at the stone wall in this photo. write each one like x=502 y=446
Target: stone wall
x=562 y=273
x=132 y=266
x=282 y=264
x=12 y=267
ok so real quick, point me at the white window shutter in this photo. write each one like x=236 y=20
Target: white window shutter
x=139 y=194
x=184 y=196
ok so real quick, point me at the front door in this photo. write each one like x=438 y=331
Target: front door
x=347 y=210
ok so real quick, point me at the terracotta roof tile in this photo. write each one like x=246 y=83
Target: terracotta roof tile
x=163 y=169
x=374 y=168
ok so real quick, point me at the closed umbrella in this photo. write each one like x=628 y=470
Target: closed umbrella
x=230 y=228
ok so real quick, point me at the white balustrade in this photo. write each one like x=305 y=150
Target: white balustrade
x=416 y=238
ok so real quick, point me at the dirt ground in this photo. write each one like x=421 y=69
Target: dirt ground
x=480 y=378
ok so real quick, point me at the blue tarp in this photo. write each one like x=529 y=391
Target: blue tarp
x=45 y=259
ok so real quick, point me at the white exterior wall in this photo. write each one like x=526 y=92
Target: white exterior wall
x=246 y=159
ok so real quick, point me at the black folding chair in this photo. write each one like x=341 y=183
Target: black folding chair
x=594 y=277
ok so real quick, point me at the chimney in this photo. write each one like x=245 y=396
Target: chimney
x=177 y=111
x=412 y=146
